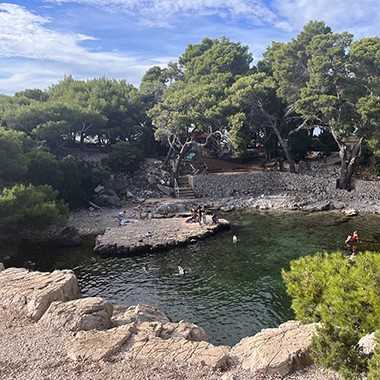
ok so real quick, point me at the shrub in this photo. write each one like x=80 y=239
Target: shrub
x=13 y=161
x=344 y=297
x=30 y=208
x=44 y=169
x=79 y=180
x=124 y=157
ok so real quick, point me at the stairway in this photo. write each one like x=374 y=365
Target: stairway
x=185 y=190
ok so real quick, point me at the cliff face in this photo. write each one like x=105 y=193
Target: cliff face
x=92 y=330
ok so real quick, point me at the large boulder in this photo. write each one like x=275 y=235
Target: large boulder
x=31 y=293
x=181 y=350
x=150 y=321
x=97 y=345
x=92 y=313
x=183 y=329
x=277 y=351
x=139 y=313
x=367 y=344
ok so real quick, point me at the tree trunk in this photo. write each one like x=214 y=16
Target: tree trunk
x=181 y=155
x=292 y=167
x=348 y=158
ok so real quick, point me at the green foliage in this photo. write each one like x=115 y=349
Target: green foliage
x=344 y=297
x=24 y=208
x=239 y=135
x=79 y=180
x=124 y=158
x=44 y=169
x=13 y=161
x=299 y=144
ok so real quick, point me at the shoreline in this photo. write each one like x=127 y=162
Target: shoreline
x=53 y=333
x=93 y=223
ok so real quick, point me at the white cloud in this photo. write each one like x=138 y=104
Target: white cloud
x=43 y=55
x=361 y=17
x=162 y=12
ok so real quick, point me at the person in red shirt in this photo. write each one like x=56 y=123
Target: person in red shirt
x=352 y=241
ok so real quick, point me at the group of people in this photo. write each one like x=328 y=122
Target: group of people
x=199 y=215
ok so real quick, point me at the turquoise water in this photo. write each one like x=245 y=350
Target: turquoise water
x=230 y=290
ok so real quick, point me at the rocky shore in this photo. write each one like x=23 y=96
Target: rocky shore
x=48 y=332
x=154 y=235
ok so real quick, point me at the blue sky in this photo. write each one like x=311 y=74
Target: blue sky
x=42 y=40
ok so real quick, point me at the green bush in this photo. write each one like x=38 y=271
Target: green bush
x=44 y=169
x=299 y=144
x=344 y=297
x=124 y=157
x=30 y=208
x=12 y=158
x=79 y=180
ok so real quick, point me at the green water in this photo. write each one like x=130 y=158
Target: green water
x=230 y=290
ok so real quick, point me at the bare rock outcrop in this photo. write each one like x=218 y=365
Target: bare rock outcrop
x=277 y=351
x=31 y=293
x=153 y=322
x=139 y=313
x=97 y=345
x=181 y=350
x=154 y=235
x=92 y=313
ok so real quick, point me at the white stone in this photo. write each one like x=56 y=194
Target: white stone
x=367 y=344
x=31 y=293
x=98 y=345
x=92 y=313
x=280 y=350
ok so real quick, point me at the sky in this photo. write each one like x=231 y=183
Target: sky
x=41 y=41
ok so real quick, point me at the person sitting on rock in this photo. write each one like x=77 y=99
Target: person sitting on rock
x=352 y=241
x=215 y=219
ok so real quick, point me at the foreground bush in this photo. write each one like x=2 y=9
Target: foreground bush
x=344 y=297
x=30 y=208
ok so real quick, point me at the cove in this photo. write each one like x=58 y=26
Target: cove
x=232 y=291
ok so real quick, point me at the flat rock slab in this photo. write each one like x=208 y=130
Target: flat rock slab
x=92 y=313
x=277 y=351
x=123 y=315
x=182 y=350
x=31 y=293
x=154 y=235
x=99 y=345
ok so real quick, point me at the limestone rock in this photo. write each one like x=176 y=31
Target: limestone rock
x=367 y=344
x=351 y=212
x=139 y=313
x=277 y=351
x=182 y=350
x=97 y=345
x=31 y=293
x=92 y=313
x=183 y=329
